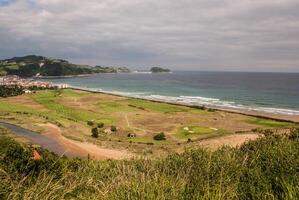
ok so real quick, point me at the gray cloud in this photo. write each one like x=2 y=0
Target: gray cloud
x=250 y=35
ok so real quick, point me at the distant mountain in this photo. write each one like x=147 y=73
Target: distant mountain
x=32 y=65
x=159 y=70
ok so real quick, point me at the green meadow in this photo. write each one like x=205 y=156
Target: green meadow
x=268 y=122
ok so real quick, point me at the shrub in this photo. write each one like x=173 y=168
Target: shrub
x=160 y=136
x=90 y=123
x=199 y=107
x=211 y=110
x=294 y=134
x=95 y=132
x=100 y=125
x=113 y=128
x=131 y=135
x=267 y=132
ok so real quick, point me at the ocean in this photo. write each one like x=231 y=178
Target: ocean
x=250 y=91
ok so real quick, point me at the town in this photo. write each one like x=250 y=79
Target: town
x=12 y=85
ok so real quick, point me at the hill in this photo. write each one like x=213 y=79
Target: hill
x=33 y=65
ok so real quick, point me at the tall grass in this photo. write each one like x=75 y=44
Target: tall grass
x=264 y=169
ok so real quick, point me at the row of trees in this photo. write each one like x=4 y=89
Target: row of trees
x=8 y=91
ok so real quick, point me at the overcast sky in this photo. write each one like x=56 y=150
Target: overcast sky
x=238 y=35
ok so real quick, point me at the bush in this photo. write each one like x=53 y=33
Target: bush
x=199 y=107
x=294 y=135
x=95 y=132
x=113 y=128
x=90 y=123
x=100 y=125
x=160 y=136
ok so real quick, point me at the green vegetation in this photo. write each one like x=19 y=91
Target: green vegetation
x=71 y=93
x=95 y=132
x=33 y=65
x=49 y=100
x=159 y=70
x=160 y=136
x=263 y=169
x=113 y=128
x=115 y=106
x=100 y=69
x=155 y=106
x=90 y=123
x=197 y=131
x=147 y=140
x=268 y=122
x=100 y=125
x=8 y=91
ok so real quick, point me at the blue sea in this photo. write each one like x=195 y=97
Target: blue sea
x=268 y=92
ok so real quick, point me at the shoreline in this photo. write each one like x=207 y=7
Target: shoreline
x=260 y=114
x=79 y=75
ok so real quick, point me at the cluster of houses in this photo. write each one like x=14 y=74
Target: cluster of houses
x=27 y=84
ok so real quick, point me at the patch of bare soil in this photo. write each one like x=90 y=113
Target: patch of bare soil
x=80 y=149
x=229 y=140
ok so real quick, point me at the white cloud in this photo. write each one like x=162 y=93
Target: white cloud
x=192 y=34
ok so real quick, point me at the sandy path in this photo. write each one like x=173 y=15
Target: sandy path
x=229 y=140
x=127 y=120
x=80 y=149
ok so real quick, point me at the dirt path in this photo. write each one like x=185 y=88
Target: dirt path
x=230 y=140
x=80 y=149
x=127 y=120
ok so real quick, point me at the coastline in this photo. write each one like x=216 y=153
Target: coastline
x=73 y=76
x=260 y=114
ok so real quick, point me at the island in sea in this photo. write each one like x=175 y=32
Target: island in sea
x=159 y=70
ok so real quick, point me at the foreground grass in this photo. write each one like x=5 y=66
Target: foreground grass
x=263 y=169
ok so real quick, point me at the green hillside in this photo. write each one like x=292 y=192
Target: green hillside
x=33 y=65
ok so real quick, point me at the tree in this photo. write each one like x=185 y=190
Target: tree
x=95 y=132
x=160 y=136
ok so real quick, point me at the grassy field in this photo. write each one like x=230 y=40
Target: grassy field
x=263 y=169
x=268 y=122
x=156 y=107
x=48 y=99
x=194 y=132
x=72 y=109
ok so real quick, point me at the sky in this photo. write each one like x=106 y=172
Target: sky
x=229 y=35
